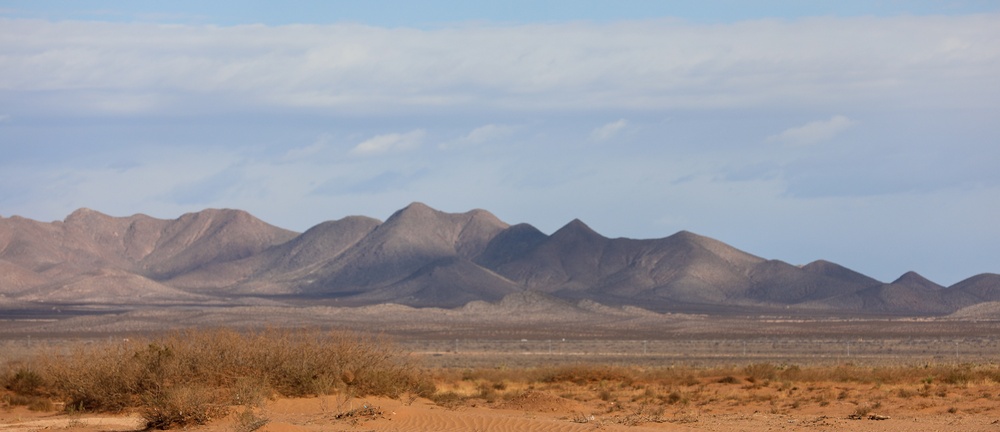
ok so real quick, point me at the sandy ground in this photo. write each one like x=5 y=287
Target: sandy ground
x=969 y=408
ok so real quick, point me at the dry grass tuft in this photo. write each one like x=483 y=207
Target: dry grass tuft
x=193 y=376
x=249 y=421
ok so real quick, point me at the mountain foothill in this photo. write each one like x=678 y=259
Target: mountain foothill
x=422 y=257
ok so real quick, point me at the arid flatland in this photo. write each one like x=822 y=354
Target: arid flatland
x=679 y=384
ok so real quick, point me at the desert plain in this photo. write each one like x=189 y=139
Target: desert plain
x=606 y=369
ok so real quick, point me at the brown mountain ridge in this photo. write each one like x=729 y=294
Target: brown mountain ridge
x=423 y=257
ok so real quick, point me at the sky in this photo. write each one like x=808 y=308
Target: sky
x=866 y=133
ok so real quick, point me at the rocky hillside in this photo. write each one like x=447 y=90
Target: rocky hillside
x=426 y=258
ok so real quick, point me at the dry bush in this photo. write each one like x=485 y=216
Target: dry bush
x=646 y=413
x=487 y=392
x=449 y=399
x=728 y=379
x=181 y=406
x=33 y=403
x=191 y=376
x=583 y=374
x=958 y=375
x=96 y=378
x=249 y=421
x=366 y=411
x=23 y=381
x=760 y=372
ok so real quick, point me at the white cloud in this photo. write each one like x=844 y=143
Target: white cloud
x=932 y=60
x=609 y=130
x=814 y=132
x=318 y=146
x=4 y=118
x=488 y=133
x=386 y=143
x=479 y=135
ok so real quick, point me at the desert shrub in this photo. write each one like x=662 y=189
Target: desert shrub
x=447 y=399
x=957 y=375
x=188 y=377
x=645 y=413
x=249 y=421
x=582 y=374
x=728 y=379
x=606 y=395
x=674 y=397
x=181 y=406
x=792 y=373
x=33 y=403
x=24 y=381
x=487 y=392
x=92 y=378
x=249 y=391
x=760 y=372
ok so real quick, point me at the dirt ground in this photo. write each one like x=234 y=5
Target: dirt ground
x=705 y=404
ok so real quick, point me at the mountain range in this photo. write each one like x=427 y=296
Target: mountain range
x=423 y=257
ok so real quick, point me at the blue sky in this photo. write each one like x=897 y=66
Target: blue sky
x=864 y=133
x=396 y=13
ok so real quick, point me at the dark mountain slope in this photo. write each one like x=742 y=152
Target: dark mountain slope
x=510 y=244
x=406 y=242
x=910 y=294
x=914 y=280
x=980 y=288
x=446 y=283
x=208 y=237
x=839 y=272
x=427 y=258
x=781 y=283
x=319 y=245
x=569 y=259
x=893 y=299
x=685 y=268
x=278 y=269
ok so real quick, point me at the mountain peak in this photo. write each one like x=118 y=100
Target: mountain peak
x=423 y=256
x=688 y=236
x=216 y=212
x=691 y=238
x=415 y=211
x=84 y=213
x=576 y=227
x=484 y=215
x=837 y=271
x=912 y=278
x=417 y=207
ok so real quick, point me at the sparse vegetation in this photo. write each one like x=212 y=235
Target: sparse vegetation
x=636 y=395
x=194 y=376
